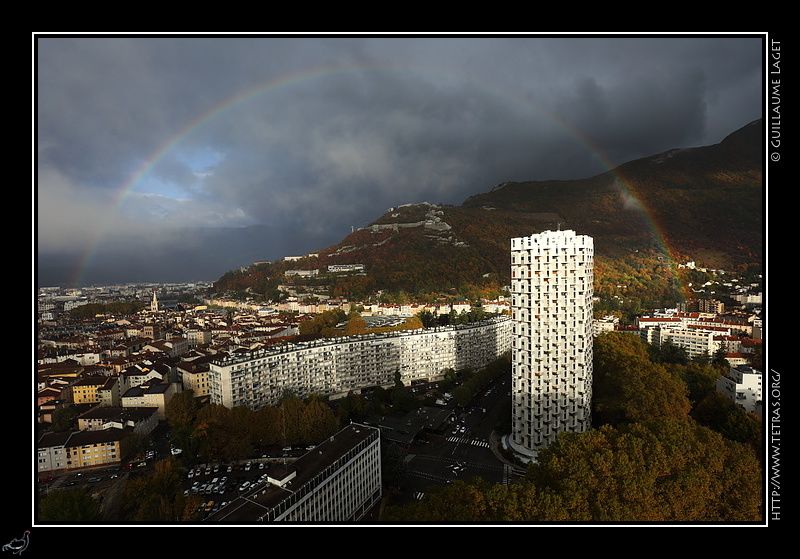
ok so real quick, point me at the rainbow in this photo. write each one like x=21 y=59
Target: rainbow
x=316 y=73
x=636 y=204
x=156 y=157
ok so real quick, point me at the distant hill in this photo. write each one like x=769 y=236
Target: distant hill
x=705 y=202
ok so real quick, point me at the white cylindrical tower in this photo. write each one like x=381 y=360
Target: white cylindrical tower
x=552 y=290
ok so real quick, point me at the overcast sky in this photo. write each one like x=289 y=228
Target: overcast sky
x=138 y=134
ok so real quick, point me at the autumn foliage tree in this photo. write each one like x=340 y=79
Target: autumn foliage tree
x=648 y=459
x=659 y=471
x=629 y=387
x=663 y=470
x=220 y=434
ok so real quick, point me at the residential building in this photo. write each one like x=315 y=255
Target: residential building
x=608 y=323
x=87 y=390
x=193 y=376
x=333 y=367
x=138 y=420
x=552 y=292
x=196 y=337
x=743 y=385
x=337 y=481
x=345 y=267
x=78 y=449
x=695 y=341
x=154 y=395
x=110 y=393
x=175 y=346
x=701 y=305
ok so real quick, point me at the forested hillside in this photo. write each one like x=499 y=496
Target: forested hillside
x=703 y=204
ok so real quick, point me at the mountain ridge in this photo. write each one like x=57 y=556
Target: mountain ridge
x=700 y=203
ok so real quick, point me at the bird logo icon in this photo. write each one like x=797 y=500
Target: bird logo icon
x=18 y=545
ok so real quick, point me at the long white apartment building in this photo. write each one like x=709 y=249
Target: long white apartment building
x=333 y=367
x=695 y=340
x=552 y=292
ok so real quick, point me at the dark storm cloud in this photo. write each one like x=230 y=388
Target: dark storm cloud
x=331 y=131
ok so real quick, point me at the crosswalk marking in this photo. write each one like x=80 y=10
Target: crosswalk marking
x=465 y=440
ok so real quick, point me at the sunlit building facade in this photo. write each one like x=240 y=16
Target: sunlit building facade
x=552 y=291
x=339 y=480
x=334 y=367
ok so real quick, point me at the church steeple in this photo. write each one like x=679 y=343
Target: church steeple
x=154 y=303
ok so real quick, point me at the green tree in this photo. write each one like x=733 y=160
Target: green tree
x=669 y=352
x=64 y=419
x=721 y=414
x=69 y=505
x=319 y=422
x=661 y=470
x=353 y=407
x=211 y=434
x=700 y=379
x=355 y=326
x=401 y=398
x=158 y=497
x=458 y=502
x=268 y=426
x=427 y=318
x=181 y=412
x=292 y=421
x=394 y=469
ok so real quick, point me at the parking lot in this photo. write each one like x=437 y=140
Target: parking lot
x=220 y=484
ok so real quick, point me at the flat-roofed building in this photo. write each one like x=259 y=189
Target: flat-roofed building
x=337 y=481
x=333 y=367
x=743 y=385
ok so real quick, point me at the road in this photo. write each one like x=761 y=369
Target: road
x=465 y=451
